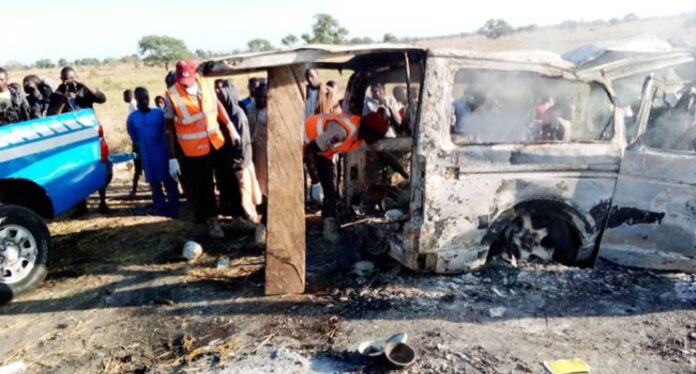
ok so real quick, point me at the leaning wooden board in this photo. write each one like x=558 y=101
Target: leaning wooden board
x=285 y=241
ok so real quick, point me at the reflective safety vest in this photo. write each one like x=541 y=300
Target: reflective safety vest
x=316 y=125
x=196 y=123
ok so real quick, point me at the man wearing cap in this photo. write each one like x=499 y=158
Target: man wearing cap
x=328 y=134
x=193 y=118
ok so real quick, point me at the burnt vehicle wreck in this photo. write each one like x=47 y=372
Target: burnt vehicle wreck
x=521 y=154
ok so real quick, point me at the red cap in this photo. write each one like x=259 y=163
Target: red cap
x=376 y=122
x=186 y=72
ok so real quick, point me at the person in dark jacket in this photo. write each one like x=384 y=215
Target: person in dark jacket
x=74 y=95
x=38 y=95
x=244 y=194
x=13 y=106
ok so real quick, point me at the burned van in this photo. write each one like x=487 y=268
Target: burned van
x=510 y=153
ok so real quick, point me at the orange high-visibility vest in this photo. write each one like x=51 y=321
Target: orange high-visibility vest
x=196 y=123
x=316 y=125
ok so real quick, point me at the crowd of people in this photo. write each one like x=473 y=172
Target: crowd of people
x=203 y=136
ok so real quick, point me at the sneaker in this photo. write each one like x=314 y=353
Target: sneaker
x=214 y=229
x=331 y=230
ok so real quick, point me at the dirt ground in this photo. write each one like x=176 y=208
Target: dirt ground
x=120 y=299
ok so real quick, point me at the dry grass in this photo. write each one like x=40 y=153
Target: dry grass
x=558 y=40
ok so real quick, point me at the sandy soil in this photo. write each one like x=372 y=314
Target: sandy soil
x=121 y=300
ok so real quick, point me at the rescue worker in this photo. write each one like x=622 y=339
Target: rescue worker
x=193 y=118
x=328 y=134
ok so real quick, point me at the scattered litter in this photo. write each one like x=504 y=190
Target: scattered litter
x=371 y=349
x=223 y=263
x=363 y=268
x=16 y=367
x=394 y=214
x=496 y=312
x=376 y=348
x=398 y=338
x=192 y=250
x=568 y=366
x=686 y=291
x=400 y=355
x=268 y=338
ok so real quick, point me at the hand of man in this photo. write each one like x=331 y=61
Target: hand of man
x=234 y=134
x=174 y=170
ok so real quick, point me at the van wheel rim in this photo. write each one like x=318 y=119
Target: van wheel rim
x=527 y=240
x=18 y=253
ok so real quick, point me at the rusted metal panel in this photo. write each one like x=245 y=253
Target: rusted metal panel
x=653 y=219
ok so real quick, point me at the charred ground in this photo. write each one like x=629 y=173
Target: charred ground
x=120 y=299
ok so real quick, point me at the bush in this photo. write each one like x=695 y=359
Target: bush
x=495 y=28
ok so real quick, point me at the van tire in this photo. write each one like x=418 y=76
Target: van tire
x=13 y=218
x=559 y=236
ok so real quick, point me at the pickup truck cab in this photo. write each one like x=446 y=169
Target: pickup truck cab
x=47 y=166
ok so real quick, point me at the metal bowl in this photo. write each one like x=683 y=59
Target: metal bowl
x=401 y=355
x=371 y=349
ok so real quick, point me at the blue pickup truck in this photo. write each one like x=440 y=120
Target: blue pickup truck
x=47 y=166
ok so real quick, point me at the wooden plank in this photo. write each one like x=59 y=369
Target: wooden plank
x=285 y=240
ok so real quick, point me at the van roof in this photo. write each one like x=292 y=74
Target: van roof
x=351 y=56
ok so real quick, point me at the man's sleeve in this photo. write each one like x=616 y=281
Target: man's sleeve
x=97 y=96
x=131 y=128
x=222 y=113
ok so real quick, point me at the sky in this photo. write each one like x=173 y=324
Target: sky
x=36 y=29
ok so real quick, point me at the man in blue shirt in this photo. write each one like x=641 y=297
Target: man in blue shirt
x=253 y=83
x=146 y=128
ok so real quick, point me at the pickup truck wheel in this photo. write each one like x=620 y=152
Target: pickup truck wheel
x=25 y=245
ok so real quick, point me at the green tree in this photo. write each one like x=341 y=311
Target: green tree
x=88 y=61
x=200 y=53
x=162 y=50
x=390 y=38
x=363 y=40
x=495 y=28
x=630 y=17
x=289 y=40
x=16 y=65
x=259 y=45
x=44 y=63
x=63 y=62
x=133 y=59
x=326 y=30
x=109 y=61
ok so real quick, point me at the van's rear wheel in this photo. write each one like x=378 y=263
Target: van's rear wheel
x=541 y=236
x=25 y=245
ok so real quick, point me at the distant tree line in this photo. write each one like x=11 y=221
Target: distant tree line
x=162 y=50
